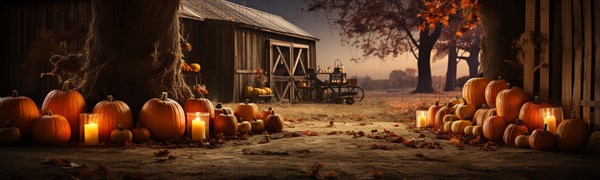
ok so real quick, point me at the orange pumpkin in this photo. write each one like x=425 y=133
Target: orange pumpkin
x=542 y=139
x=113 y=113
x=265 y=113
x=51 y=129
x=474 y=90
x=482 y=114
x=492 y=90
x=514 y=130
x=431 y=112
x=219 y=109
x=439 y=116
x=273 y=123
x=164 y=118
x=493 y=128
x=20 y=111
x=509 y=102
x=465 y=111
x=246 y=111
x=530 y=114
x=140 y=134
x=226 y=123
x=477 y=131
x=197 y=104
x=572 y=134
x=522 y=141
x=67 y=103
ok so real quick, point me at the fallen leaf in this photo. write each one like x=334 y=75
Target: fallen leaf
x=162 y=153
x=313 y=171
x=330 y=174
x=378 y=174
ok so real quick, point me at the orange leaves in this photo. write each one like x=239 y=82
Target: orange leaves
x=439 y=12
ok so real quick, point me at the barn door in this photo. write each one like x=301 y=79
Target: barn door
x=288 y=63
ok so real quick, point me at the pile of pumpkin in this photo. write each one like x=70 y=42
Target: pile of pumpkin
x=250 y=91
x=496 y=111
x=160 y=118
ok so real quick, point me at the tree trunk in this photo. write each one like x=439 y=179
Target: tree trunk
x=473 y=60
x=503 y=22
x=451 y=70
x=133 y=52
x=426 y=42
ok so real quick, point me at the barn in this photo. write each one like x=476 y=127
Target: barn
x=230 y=42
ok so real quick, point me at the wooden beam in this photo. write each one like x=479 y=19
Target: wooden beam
x=587 y=57
x=545 y=50
x=567 y=58
x=556 y=61
x=578 y=55
x=596 y=123
x=590 y=103
x=529 y=50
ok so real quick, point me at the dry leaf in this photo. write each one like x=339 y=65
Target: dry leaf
x=378 y=174
x=162 y=153
x=330 y=174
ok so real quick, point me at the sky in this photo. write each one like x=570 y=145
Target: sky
x=330 y=48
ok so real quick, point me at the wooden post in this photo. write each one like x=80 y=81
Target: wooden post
x=596 y=123
x=545 y=50
x=578 y=58
x=567 y=58
x=529 y=50
x=587 y=57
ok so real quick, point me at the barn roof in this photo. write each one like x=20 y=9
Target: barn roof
x=228 y=11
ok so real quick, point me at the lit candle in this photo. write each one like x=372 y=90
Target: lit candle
x=550 y=120
x=421 y=119
x=192 y=123
x=198 y=129
x=91 y=133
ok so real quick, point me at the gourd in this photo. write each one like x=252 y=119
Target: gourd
x=458 y=127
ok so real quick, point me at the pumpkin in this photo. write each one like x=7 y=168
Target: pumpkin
x=530 y=114
x=448 y=127
x=302 y=85
x=20 y=111
x=140 y=134
x=482 y=114
x=9 y=134
x=163 y=117
x=258 y=125
x=439 y=116
x=431 y=112
x=456 y=101
x=219 y=109
x=226 y=123
x=247 y=91
x=196 y=67
x=522 y=141
x=51 y=129
x=197 y=104
x=509 y=102
x=492 y=90
x=572 y=134
x=542 y=139
x=594 y=142
x=493 y=128
x=257 y=92
x=114 y=113
x=246 y=111
x=465 y=110
x=449 y=118
x=477 y=130
x=67 y=103
x=469 y=129
x=474 y=90
x=265 y=113
x=120 y=135
x=269 y=90
x=273 y=123
x=244 y=127
x=458 y=127
x=514 y=130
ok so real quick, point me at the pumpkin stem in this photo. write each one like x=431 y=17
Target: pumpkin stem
x=499 y=77
x=545 y=127
x=247 y=101
x=518 y=122
x=270 y=108
x=66 y=86
x=473 y=123
x=164 y=96
x=484 y=106
x=272 y=112
x=50 y=113
x=15 y=93
x=219 y=105
x=464 y=101
x=449 y=104
x=225 y=113
x=494 y=113
x=536 y=100
x=508 y=85
x=466 y=117
x=120 y=127
x=437 y=103
x=111 y=98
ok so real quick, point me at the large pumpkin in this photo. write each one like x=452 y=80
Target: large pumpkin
x=492 y=90
x=246 y=111
x=67 y=103
x=482 y=114
x=514 y=130
x=431 y=112
x=530 y=114
x=197 y=104
x=474 y=90
x=273 y=123
x=509 y=102
x=439 y=116
x=163 y=117
x=572 y=134
x=493 y=128
x=113 y=113
x=20 y=111
x=51 y=129
x=465 y=111
x=542 y=139
x=226 y=123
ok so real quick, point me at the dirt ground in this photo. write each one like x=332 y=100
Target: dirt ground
x=310 y=148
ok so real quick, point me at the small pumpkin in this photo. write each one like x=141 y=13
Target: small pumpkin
x=439 y=116
x=244 y=127
x=465 y=110
x=469 y=129
x=67 y=103
x=164 y=118
x=493 y=88
x=522 y=141
x=51 y=129
x=458 y=127
x=273 y=123
x=247 y=91
x=477 y=130
x=219 y=109
x=457 y=101
x=258 y=125
x=493 y=128
x=140 y=134
x=514 y=130
x=474 y=90
x=448 y=127
x=482 y=114
x=542 y=139
x=196 y=67
x=594 y=142
x=226 y=123
x=114 y=113
x=247 y=111
x=121 y=135
x=9 y=134
x=509 y=102
x=530 y=114
x=431 y=112
x=20 y=111
x=572 y=134
x=265 y=113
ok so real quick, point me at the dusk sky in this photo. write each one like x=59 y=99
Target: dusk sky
x=330 y=48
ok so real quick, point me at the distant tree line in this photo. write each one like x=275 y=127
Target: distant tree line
x=404 y=80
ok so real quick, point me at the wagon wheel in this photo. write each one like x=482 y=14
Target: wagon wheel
x=360 y=94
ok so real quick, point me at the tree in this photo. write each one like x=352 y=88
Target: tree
x=386 y=27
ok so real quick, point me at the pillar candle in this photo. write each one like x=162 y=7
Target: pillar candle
x=198 y=129
x=550 y=120
x=91 y=134
x=421 y=121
